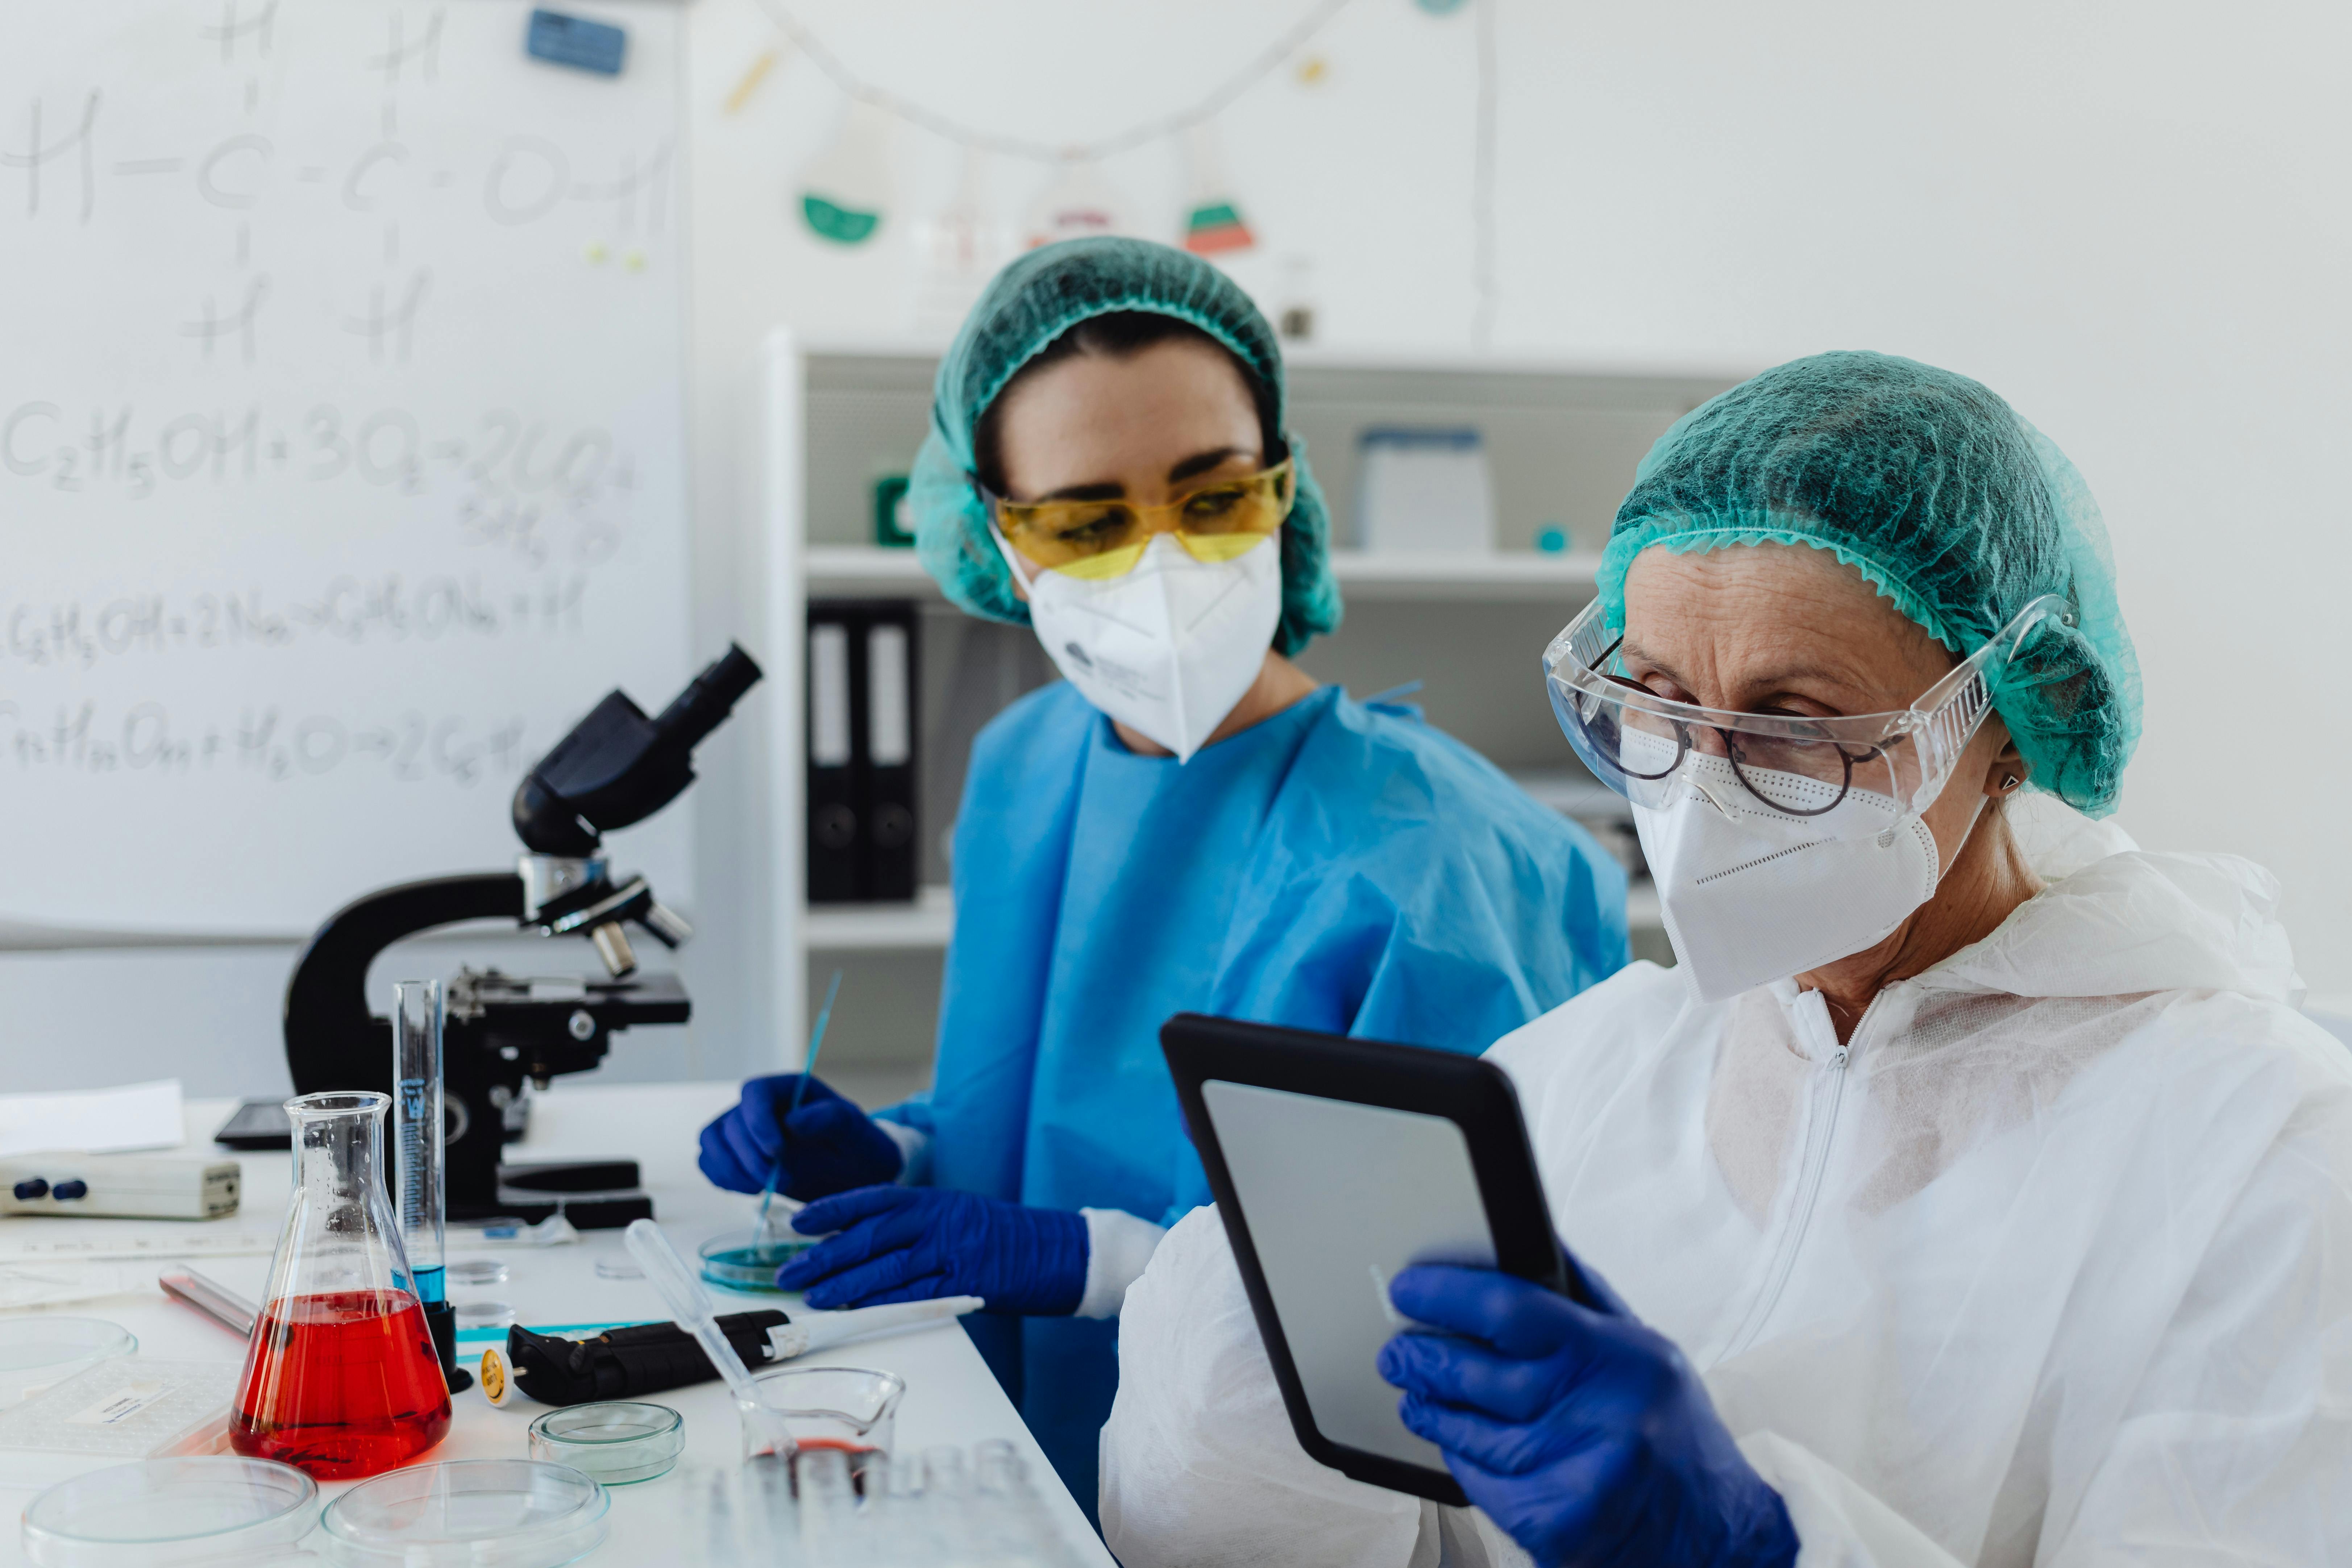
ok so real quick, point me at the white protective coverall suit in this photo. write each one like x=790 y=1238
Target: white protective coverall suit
x=2050 y=1264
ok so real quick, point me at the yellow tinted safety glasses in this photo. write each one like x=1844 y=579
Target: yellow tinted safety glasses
x=1098 y=538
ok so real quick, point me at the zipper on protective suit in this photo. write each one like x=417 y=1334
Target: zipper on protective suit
x=1821 y=1131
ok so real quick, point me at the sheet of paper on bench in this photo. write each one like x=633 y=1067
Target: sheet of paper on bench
x=93 y=1122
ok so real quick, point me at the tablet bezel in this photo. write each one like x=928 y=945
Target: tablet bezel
x=1474 y=1094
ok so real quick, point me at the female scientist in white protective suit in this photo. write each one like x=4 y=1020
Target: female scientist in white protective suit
x=1969 y=1199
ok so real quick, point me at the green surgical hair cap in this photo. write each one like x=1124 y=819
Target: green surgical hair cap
x=1028 y=305
x=1949 y=503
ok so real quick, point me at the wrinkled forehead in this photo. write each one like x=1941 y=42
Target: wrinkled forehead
x=1742 y=616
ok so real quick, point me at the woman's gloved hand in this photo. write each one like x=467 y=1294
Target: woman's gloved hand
x=911 y=1244
x=828 y=1145
x=1583 y=1433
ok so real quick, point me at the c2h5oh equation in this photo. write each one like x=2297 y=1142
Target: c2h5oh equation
x=346 y=355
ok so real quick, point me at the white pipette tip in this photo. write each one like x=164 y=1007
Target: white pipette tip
x=817 y=1330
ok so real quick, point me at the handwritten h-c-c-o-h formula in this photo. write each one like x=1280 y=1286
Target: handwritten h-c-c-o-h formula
x=341 y=444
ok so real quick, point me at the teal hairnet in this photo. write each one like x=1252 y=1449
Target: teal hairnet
x=1027 y=306
x=1951 y=506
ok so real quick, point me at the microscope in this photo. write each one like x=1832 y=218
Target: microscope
x=502 y=1033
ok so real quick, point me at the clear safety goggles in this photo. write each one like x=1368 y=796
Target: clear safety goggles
x=1098 y=538
x=1647 y=747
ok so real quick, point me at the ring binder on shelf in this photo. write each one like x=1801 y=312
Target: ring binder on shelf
x=862 y=660
x=890 y=847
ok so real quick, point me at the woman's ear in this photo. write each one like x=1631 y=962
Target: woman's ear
x=2006 y=775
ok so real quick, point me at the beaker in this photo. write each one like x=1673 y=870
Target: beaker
x=848 y=1409
x=340 y=1379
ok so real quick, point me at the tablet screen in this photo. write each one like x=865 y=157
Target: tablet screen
x=1339 y=1196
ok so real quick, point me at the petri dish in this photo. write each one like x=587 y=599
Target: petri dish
x=467 y=1513
x=162 y=1512
x=477 y=1271
x=39 y=1351
x=741 y=1261
x=617 y=1441
x=483 y=1313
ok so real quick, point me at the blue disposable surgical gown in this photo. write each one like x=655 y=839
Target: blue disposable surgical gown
x=1338 y=866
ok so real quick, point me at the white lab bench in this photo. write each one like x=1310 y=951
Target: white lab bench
x=950 y=1395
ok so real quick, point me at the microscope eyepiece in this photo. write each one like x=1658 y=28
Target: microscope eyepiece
x=704 y=705
x=618 y=767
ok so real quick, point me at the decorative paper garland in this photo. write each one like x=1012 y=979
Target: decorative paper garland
x=1213 y=223
x=1149 y=130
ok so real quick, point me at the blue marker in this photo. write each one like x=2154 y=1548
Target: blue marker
x=576 y=41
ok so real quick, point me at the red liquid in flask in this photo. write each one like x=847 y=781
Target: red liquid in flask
x=347 y=1386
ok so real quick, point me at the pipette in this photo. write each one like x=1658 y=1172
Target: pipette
x=210 y=1297
x=821 y=1331
x=691 y=1307
x=763 y=1234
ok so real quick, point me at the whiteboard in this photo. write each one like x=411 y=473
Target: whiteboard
x=341 y=445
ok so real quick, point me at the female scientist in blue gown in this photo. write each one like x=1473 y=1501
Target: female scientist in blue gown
x=1186 y=821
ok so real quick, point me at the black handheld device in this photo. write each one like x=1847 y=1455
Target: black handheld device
x=631 y=1362
x=1335 y=1164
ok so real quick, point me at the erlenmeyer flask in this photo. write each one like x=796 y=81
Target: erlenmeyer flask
x=340 y=1379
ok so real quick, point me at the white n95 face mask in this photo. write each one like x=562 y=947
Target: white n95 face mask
x=1753 y=895
x=1168 y=648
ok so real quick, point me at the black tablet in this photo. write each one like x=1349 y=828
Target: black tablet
x=1336 y=1162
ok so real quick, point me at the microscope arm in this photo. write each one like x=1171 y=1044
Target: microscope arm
x=331 y=1040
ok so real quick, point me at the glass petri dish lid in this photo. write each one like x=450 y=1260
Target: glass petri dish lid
x=480 y=1313
x=39 y=1351
x=467 y=1513
x=741 y=1260
x=162 y=1512
x=617 y=1441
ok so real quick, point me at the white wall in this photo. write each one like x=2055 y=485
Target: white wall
x=2129 y=219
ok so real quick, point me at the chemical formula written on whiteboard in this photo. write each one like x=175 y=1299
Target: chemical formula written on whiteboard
x=43 y=442
x=543 y=493
x=349 y=610
x=262 y=744
x=342 y=443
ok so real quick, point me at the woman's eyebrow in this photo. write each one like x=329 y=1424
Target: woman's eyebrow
x=1627 y=648
x=1201 y=462
x=1111 y=489
x=1787 y=677
x=1100 y=489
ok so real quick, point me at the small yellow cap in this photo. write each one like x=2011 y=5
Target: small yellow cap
x=497 y=1382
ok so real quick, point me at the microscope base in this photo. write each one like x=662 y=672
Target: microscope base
x=593 y=1194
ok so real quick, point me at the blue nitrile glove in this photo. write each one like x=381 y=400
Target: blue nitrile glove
x=911 y=1244
x=1583 y=1433
x=828 y=1145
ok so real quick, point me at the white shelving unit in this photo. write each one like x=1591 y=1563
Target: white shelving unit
x=1562 y=442
x=928 y=922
